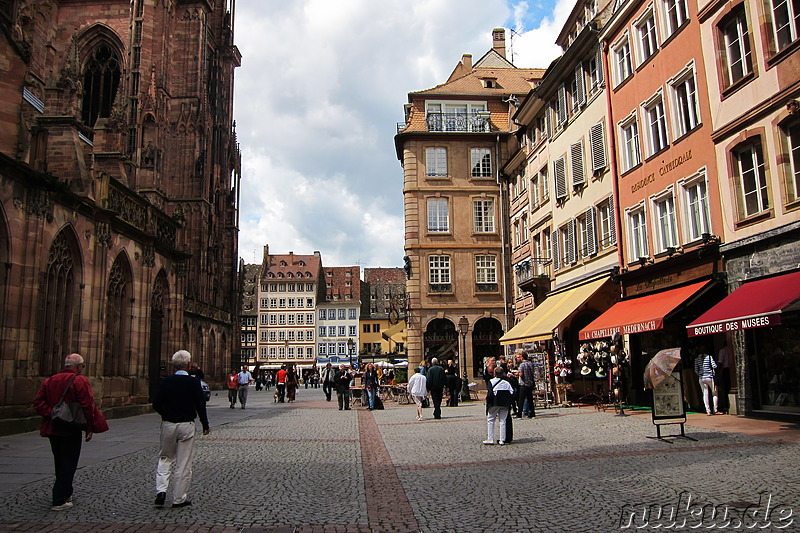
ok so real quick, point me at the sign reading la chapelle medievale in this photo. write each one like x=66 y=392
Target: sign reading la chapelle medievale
x=665 y=167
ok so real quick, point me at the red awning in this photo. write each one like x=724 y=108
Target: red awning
x=641 y=314
x=756 y=304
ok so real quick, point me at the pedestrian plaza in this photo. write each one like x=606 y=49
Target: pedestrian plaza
x=307 y=466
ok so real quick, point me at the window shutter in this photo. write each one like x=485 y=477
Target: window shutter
x=600 y=73
x=591 y=234
x=576 y=154
x=548 y=124
x=572 y=242
x=562 y=105
x=612 y=222
x=580 y=89
x=555 y=253
x=559 y=171
x=598 y=146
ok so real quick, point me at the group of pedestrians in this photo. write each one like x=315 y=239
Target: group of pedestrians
x=179 y=400
x=238 y=385
x=509 y=394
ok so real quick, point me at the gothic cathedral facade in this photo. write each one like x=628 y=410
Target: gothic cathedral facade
x=119 y=192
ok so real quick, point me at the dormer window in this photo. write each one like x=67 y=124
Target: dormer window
x=490 y=83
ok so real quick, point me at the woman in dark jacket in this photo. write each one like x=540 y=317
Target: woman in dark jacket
x=371 y=382
x=291 y=383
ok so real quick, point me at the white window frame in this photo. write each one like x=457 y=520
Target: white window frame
x=665 y=223
x=622 y=57
x=637 y=232
x=676 y=13
x=481 y=162
x=607 y=234
x=656 y=132
x=684 y=101
x=786 y=22
x=630 y=148
x=483 y=215
x=695 y=209
x=485 y=268
x=436 y=162
x=646 y=36
x=760 y=191
x=736 y=43
x=792 y=133
x=439 y=269
x=438 y=215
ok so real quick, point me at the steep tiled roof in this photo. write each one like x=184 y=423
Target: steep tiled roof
x=343 y=283
x=509 y=81
x=384 y=275
x=291 y=266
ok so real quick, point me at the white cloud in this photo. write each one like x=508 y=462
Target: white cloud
x=318 y=96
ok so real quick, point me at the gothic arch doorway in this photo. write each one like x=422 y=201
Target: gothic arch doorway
x=158 y=301
x=441 y=340
x=485 y=343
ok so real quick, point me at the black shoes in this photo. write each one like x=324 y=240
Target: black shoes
x=187 y=503
x=160 y=499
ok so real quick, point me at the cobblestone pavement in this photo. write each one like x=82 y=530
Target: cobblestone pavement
x=308 y=467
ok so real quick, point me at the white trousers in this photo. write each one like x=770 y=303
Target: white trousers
x=177 y=448
x=498 y=414
x=705 y=386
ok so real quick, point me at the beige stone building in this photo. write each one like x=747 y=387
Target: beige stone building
x=290 y=289
x=451 y=145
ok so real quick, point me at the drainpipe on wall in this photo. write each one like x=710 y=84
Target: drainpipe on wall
x=503 y=235
x=612 y=158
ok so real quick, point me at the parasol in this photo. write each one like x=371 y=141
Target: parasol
x=661 y=366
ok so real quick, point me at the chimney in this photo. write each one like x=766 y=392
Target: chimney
x=466 y=60
x=499 y=41
x=291 y=258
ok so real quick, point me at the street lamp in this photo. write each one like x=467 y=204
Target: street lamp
x=350 y=346
x=463 y=327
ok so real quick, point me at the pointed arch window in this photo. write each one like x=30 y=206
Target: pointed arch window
x=60 y=310
x=101 y=77
x=118 y=317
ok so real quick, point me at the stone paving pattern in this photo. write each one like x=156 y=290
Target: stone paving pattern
x=308 y=467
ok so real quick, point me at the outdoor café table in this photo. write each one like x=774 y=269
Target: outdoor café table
x=401 y=394
x=357 y=396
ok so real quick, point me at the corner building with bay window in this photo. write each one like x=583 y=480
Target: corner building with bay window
x=453 y=140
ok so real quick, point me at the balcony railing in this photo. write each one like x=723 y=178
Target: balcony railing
x=440 y=287
x=486 y=287
x=459 y=122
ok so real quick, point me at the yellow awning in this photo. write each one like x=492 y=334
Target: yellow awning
x=392 y=332
x=539 y=324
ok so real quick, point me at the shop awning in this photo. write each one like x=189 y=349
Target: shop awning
x=756 y=304
x=393 y=331
x=646 y=313
x=539 y=324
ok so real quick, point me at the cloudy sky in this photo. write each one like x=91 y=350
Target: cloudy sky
x=318 y=98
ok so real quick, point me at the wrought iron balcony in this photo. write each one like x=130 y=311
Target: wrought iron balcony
x=533 y=272
x=459 y=122
x=440 y=287
x=486 y=287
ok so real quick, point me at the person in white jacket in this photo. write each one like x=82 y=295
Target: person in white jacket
x=418 y=389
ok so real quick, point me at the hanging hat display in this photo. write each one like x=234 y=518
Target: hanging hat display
x=585 y=371
x=600 y=373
